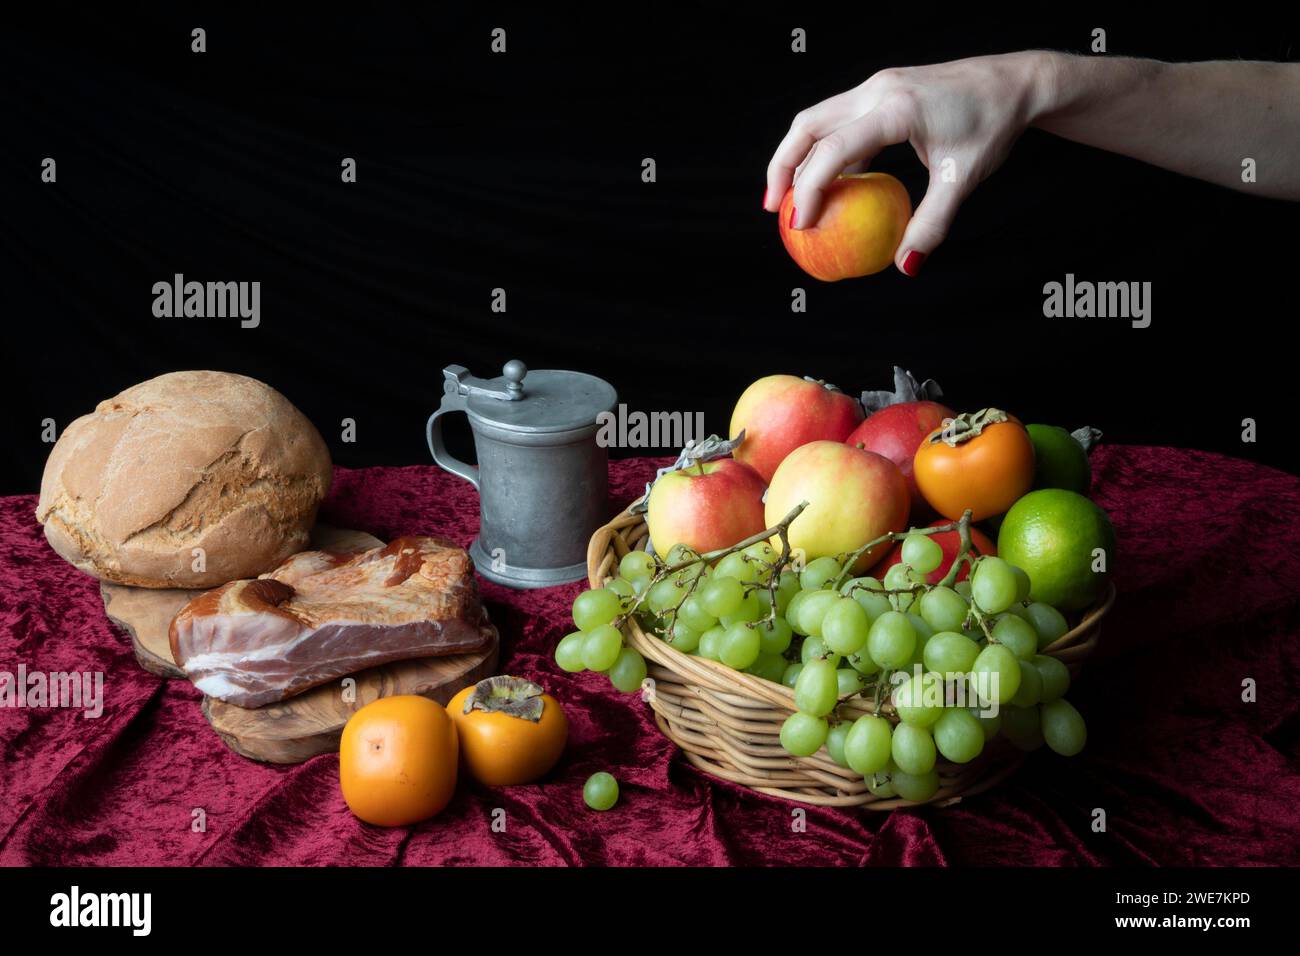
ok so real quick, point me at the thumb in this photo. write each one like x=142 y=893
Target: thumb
x=929 y=225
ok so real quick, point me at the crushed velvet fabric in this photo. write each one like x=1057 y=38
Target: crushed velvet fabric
x=1185 y=770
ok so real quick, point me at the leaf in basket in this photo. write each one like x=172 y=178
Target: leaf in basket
x=1087 y=436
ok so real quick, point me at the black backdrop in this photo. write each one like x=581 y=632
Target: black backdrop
x=523 y=171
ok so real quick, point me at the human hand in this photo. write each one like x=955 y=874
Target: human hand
x=961 y=118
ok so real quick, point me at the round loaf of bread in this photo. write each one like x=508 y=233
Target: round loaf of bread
x=188 y=480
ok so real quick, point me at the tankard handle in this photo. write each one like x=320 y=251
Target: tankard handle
x=438 y=448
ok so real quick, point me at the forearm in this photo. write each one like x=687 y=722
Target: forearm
x=1198 y=119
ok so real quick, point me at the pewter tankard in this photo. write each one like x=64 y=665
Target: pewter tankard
x=541 y=475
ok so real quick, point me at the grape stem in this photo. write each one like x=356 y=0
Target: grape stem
x=781 y=529
x=961 y=526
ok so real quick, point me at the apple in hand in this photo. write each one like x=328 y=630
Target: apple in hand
x=708 y=505
x=853 y=496
x=896 y=431
x=858 y=232
x=778 y=413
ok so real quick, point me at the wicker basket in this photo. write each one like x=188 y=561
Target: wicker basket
x=728 y=723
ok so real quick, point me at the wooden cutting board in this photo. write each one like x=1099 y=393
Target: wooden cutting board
x=309 y=724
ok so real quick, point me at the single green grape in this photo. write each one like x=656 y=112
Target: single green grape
x=993 y=585
x=749 y=609
x=802 y=734
x=568 y=653
x=990 y=722
x=943 y=609
x=665 y=595
x=815 y=690
x=761 y=556
x=1030 y=691
x=1022 y=583
x=891 y=640
x=739 y=647
x=819 y=573
x=913 y=749
x=791 y=674
x=917 y=788
x=919 y=699
x=1048 y=622
x=710 y=645
x=866 y=591
x=997 y=674
x=814 y=648
x=637 y=565
x=868 y=744
x=593 y=608
x=1016 y=635
x=862 y=663
x=950 y=653
x=601 y=647
x=1063 y=727
x=684 y=637
x=693 y=613
x=958 y=735
x=812 y=611
x=628 y=671
x=845 y=626
x=792 y=609
x=735 y=565
x=625 y=590
x=679 y=553
x=920 y=626
x=1055 y=676
x=769 y=667
x=849 y=682
x=600 y=792
x=922 y=552
x=787 y=587
x=774 y=636
x=901 y=576
x=963 y=589
x=881 y=783
x=1023 y=727
x=835 y=742
x=721 y=595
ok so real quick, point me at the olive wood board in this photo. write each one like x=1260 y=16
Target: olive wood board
x=297 y=729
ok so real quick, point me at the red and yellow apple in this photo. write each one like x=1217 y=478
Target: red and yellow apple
x=778 y=413
x=858 y=231
x=896 y=431
x=853 y=496
x=706 y=506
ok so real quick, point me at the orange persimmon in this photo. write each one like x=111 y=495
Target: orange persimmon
x=397 y=761
x=983 y=461
x=510 y=731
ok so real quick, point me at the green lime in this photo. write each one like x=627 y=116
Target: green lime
x=1058 y=537
x=1060 y=460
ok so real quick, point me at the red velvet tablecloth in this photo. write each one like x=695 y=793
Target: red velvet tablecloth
x=1185 y=770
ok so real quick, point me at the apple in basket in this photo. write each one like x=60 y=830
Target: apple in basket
x=778 y=413
x=707 y=505
x=853 y=496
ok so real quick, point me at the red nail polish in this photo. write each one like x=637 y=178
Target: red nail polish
x=912 y=262
x=794 y=216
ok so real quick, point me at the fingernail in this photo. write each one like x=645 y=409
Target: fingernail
x=794 y=218
x=765 y=198
x=912 y=262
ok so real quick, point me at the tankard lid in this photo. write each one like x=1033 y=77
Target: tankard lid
x=552 y=400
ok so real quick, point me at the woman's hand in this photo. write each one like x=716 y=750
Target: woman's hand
x=960 y=117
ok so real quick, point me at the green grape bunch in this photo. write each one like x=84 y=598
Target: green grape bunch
x=942 y=669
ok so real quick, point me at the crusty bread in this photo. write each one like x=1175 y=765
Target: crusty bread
x=187 y=460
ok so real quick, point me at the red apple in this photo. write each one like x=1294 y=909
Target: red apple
x=949 y=541
x=853 y=496
x=779 y=413
x=706 y=506
x=896 y=431
x=858 y=231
